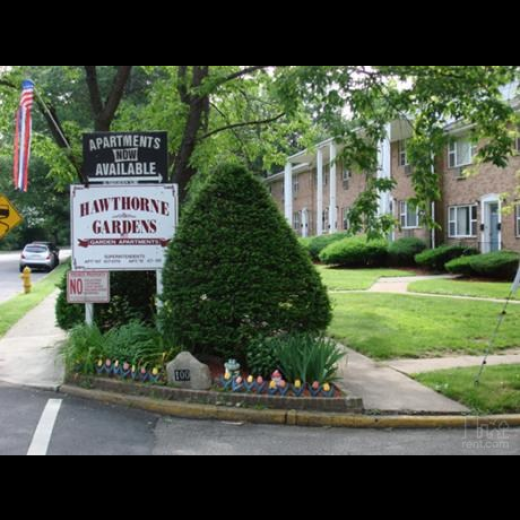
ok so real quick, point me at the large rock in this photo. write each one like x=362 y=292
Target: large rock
x=187 y=372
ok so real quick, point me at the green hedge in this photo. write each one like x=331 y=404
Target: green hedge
x=402 y=252
x=435 y=259
x=461 y=266
x=315 y=245
x=356 y=252
x=501 y=265
x=235 y=271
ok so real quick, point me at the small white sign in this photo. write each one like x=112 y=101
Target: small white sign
x=122 y=228
x=88 y=287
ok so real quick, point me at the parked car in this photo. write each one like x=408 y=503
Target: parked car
x=53 y=247
x=38 y=255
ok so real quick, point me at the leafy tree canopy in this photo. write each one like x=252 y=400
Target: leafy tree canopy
x=259 y=115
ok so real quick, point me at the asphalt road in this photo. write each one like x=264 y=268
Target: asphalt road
x=55 y=424
x=10 y=282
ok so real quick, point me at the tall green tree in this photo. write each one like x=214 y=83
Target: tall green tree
x=211 y=113
x=356 y=103
x=260 y=114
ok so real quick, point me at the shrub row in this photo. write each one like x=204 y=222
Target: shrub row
x=501 y=265
x=315 y=245
x=359 y=252
x=356 y=252
x=435 y=259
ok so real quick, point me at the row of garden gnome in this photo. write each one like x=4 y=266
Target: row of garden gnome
x=185 y=371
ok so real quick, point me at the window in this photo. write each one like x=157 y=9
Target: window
x=461 y=153
x=297 y=223
x=409 y=215
x=325 y=219
x=346 y=222
x=403 y=156
x=346 y=179
x=463 y=221
x=296 y=186
x=517 y=227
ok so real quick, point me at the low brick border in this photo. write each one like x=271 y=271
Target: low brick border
x=343 y=404
x=291 y=417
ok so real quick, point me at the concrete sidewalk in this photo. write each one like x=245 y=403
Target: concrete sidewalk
x=386 y=390
x=29 y=350
x=399 y=284
x=417 y=366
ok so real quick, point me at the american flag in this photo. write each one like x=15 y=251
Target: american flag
x=22 y=139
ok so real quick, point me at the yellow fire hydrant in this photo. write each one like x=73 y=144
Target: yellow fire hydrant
x=26 y=279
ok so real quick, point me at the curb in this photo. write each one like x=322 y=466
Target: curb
x=292 y=417
x=50 y=387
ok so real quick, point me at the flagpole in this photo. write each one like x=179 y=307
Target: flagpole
x=514 y=288
x=55 y=123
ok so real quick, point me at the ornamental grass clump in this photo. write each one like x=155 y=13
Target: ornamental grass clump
x=308 y=358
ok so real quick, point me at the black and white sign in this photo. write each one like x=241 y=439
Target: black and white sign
x=182 y=375
x=125 y=157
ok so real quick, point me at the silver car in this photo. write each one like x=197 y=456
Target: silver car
x=38 y=256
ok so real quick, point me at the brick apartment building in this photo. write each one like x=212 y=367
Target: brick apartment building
x=315 y=192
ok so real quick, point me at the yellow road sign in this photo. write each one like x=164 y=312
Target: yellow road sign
x=9 y=217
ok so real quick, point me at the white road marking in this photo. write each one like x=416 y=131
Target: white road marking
x=42 y=435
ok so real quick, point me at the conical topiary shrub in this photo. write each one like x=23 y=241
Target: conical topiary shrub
x=235 y=270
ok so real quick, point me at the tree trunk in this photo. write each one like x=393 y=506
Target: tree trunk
x=196 y=121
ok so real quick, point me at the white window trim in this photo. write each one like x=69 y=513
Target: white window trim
x=296 y=186
x=347 y=175
x=452 y=152
x=346 y=221
x=402 y=152
x=297 y=224
x=471 y=220
x=325 y=219
x=403 y=212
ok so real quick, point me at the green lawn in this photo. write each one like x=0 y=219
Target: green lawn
x=385 y=326
x=355 y=279
x=463 y=288
x=18 y=306
x=497 y=392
